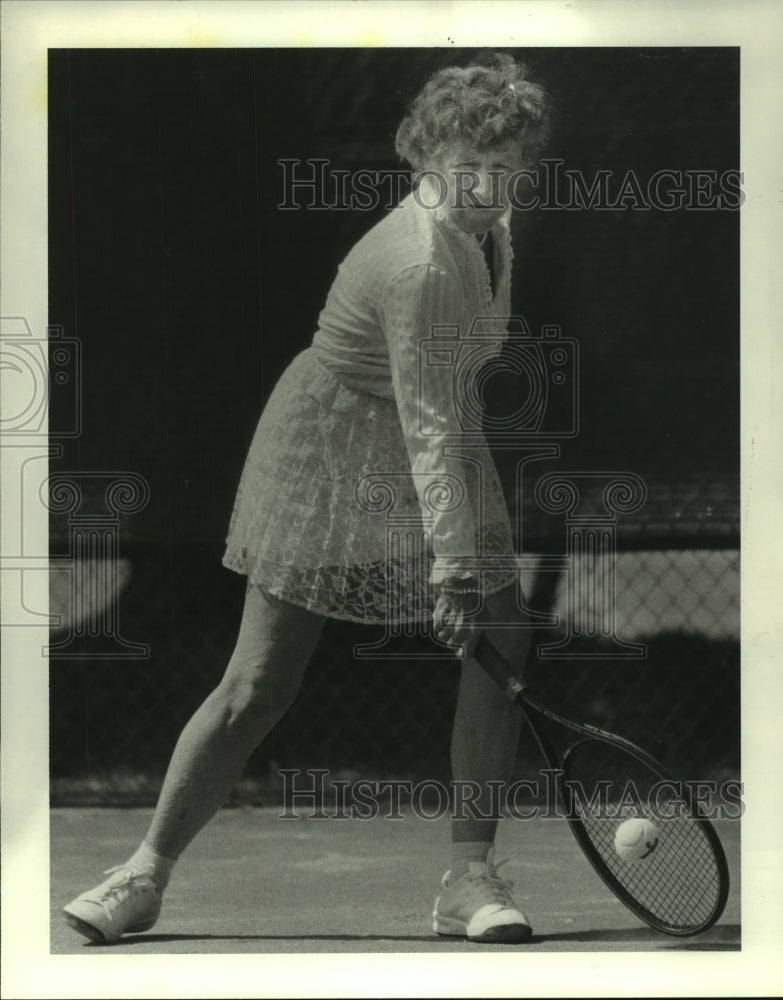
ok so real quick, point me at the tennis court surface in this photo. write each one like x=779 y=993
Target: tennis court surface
x=254 y=883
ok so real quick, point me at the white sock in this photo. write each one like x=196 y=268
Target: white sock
x=145 y=859
x=467 y=852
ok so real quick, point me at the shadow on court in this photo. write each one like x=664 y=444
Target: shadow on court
x=254 y=883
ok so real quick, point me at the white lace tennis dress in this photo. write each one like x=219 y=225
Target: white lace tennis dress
x=360 y=486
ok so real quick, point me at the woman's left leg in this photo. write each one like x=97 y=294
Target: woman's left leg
x=487 y=724
x=473 y=901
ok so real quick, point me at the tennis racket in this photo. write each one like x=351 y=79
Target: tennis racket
x=680 y=887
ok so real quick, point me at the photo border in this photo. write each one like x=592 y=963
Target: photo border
x=28 y=30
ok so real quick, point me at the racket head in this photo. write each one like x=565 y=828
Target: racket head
x=682 y=885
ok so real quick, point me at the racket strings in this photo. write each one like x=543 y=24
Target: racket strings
x=678 y=885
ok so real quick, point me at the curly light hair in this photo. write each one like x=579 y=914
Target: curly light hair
x=485 y=105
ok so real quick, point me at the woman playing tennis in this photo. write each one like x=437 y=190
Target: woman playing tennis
x=364 y=408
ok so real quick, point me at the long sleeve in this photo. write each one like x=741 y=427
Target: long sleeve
x=416 y=300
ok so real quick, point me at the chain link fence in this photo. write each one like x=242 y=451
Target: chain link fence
x=170 y=159
x=115 y=720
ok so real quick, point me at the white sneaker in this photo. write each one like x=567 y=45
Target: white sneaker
x=127 y=902
x=480 y=907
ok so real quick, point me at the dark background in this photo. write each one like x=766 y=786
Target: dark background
x=190 y=292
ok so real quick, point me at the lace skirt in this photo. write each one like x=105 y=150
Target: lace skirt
x=309 y=523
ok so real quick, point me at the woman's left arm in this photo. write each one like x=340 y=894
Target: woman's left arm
x=415 y=301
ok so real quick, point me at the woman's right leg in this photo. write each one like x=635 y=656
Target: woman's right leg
x=274 y=646
x=275 y=643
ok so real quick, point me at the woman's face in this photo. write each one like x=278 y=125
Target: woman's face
x=477 y=183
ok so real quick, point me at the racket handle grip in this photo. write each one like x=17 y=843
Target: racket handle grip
x=498 y=668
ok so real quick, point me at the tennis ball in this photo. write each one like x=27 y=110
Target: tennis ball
x=636 y=839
